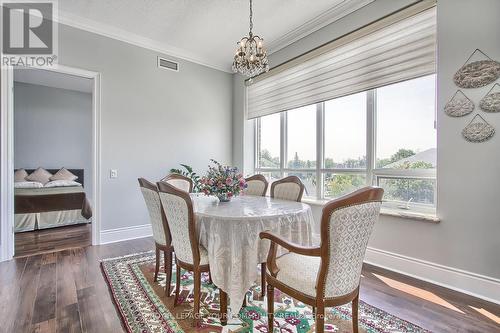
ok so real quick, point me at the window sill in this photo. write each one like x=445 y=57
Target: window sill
x=387 y=212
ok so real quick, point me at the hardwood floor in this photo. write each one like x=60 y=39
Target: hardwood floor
x=65 y=292
x=53 y=239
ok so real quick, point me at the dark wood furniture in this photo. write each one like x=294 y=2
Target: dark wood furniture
x=353 y=208
x=176 y=205
x=181 y=182
x=288 y=188
x=161 y=232
x=259 y=182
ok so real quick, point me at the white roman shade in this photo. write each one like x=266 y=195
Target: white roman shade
x=386 y=54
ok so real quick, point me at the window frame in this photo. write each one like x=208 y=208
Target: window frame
x=371 y=172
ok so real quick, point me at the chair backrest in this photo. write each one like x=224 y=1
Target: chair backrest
x=256 y=185
x=178 y=209
x=346 y=226
x=181 y=182
x=288 y=188
x=161 y=232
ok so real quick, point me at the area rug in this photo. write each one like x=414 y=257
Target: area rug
x=144 y=307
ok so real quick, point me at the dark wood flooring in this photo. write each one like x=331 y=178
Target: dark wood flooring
x=53 y=239
x=65 y=292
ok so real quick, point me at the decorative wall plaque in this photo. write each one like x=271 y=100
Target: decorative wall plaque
x=459 y=105
x=491 y=101
x=478 y=130
x=477 y=73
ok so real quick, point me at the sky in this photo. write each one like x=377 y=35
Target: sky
x=405 y=119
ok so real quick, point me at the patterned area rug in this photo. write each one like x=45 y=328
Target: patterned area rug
x=145 y=308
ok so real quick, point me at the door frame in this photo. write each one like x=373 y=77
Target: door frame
x=7 y=154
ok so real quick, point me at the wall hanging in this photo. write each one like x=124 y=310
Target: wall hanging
x=459 y=105
x=491 y=101
x=477 y=73
x=478 y=130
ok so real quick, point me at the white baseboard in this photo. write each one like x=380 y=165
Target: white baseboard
x=121 y=234
x=473 y=284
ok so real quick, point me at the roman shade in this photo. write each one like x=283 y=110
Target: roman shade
x=397 y=49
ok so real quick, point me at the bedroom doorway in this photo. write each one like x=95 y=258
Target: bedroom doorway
x=50 y=160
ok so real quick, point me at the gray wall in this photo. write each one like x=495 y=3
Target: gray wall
x=53 y=129
x=151 y=119
x=468 y=174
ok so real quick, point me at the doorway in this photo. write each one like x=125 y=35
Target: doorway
x=38 y=147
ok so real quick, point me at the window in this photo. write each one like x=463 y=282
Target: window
x=384 y=136
x=269 y=141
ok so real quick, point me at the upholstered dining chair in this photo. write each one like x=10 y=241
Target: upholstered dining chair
x=189 y=254
x=161 y=232
x=256 y=185
x=329 y=274
x=288 y=188
x=181 y=182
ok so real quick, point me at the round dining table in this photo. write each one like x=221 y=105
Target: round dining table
x=230 y=233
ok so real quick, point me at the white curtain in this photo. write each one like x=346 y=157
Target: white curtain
x=400 y=51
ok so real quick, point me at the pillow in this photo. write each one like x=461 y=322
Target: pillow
x=26 y=184
x=39 y=175
x=63 y=174
x=62 y=183
x=20 y=175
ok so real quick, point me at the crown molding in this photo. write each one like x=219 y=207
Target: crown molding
x=333 y=14
x=337 y=12
x=109 y=31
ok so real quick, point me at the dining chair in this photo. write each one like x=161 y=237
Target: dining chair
x=182 y=182
x=161 y=232
x=189 y=254
x=256 y=185
x=329 y=274
x=289 y=188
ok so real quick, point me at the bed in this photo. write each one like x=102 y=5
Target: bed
x=42 y=208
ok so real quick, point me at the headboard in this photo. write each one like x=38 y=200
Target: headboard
x=76 y=172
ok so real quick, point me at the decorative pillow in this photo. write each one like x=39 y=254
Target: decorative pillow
x=63 y=174
x=39 y=175
x=62 y=183
x=26 y=184
x=20 y=175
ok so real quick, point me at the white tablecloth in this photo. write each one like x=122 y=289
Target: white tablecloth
x=230 y=233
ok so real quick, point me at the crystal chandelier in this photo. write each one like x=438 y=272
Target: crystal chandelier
x=250 y=58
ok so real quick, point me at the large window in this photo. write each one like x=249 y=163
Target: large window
x=384 y=136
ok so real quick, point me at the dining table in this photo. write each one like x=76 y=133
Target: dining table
x=230 y=233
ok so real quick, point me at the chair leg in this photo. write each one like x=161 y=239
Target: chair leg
x=355 y=307
x=320 y=318
x=157 y=267
x=197 y=285
x=263 y=279
x=223 y=307
x=168 y=270
x=177 y=283
x=210 y=278
x=270 y=308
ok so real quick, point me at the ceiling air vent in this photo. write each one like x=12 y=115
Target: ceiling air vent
x=168 y=64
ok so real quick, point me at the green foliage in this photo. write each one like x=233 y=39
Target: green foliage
x=267 y=161
x=399 y=155
x=188 y=172
x=340 y=184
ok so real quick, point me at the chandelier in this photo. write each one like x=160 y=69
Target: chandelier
x=250 y=58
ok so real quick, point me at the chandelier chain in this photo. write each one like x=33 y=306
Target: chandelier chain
x=251 y=17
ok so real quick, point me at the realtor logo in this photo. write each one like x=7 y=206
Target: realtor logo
x=29 y=33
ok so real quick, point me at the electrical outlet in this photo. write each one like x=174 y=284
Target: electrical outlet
x=113 y=173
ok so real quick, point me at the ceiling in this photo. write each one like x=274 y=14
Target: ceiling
x=53 y=79
x=203 y=31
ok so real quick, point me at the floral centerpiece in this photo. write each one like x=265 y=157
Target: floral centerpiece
x=222 y=181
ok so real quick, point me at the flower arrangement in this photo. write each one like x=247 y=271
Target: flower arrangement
x=222 y=181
